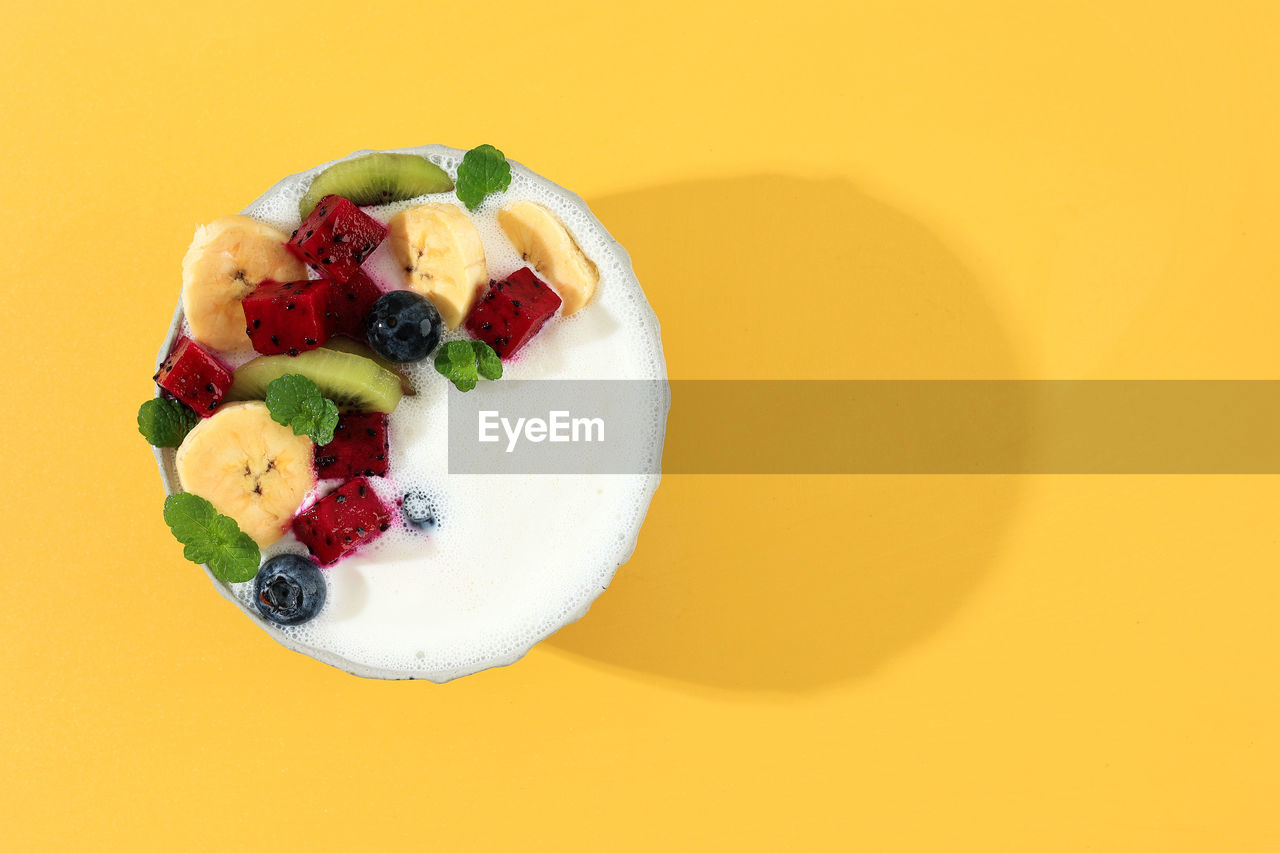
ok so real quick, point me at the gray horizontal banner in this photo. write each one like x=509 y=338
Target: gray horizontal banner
x=867 y=427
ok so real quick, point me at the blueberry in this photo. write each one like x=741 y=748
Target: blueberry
x=419 y=510
x=289 y=589
x=403 y=326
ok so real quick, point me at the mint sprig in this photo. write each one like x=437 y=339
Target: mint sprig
x=487 y=361
x=164 y=422
x=211 y=538
x=483 y=170
x=462 y=362
x=296 y=401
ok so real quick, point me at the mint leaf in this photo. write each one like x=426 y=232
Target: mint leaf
x=483 y=170
x=295 y=401
x=211 y=538
x=456 y=361
x=164 y=423
x=462 y=362
x=490 y=366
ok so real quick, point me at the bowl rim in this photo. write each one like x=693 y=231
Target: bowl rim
x=168 y=474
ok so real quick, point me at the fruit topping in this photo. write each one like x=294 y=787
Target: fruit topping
x=228 y=258
x=350 y=303
x=342 y=521
x=359 y=447
x=512 y=312
x=336 y=238
x=350 y=380
x=355 y=347
x=542 y=240
x=195 y=377
x=403 y=326
x=288 y=317
x=289 y=589
x=376 y=179
x=249 y=467
x=442 y=256
x=419 y=510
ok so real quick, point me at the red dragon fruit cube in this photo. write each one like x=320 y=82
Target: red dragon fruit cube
x=342 y=521
x=289 y=317
x=336 y=238
x=512 y=312
x=359 y=447
x=195 y=377
x=351 y=302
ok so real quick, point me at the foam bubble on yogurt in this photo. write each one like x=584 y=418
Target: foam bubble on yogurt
x=511 y=559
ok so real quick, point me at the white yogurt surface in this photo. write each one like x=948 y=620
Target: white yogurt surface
x=512 y=558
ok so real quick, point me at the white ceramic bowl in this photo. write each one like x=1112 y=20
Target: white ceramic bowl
x=575 y=609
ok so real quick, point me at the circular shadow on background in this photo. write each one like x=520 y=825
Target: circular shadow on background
x=792 y=583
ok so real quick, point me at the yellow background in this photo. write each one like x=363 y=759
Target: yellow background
x=874 y=189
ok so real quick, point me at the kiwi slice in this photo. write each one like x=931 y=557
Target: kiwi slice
x=356 y=348
x=352 y=381
x=376 y=179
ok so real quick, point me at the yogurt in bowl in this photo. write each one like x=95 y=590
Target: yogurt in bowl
x=471 y=570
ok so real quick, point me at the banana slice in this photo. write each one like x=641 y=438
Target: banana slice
x=544 y=242
x=249 y=467
x=227 y=259
x=442 y=255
